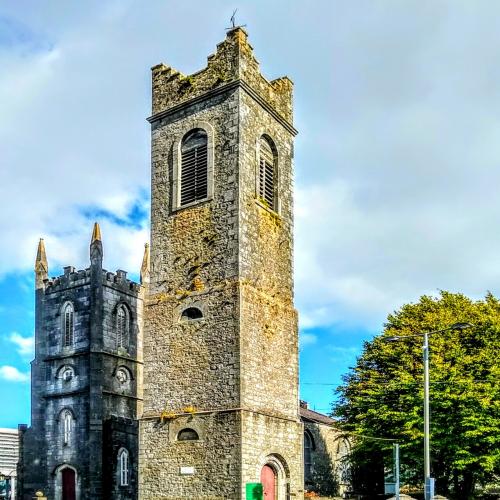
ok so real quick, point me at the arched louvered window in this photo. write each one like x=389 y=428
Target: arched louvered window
x=123 y=467
x=67 y=426
x=267 y=174
x=122 y=326
x=194 y=166
x=68 y=324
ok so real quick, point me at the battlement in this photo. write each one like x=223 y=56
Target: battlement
x=72 y=278
x=233 y=61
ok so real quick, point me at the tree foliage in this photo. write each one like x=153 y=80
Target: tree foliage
x=383 y=395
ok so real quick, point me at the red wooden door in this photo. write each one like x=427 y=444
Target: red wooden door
x=268 y=480
x=68 y=484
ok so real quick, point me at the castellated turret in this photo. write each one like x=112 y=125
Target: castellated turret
x=221 y=414
x=86 y=383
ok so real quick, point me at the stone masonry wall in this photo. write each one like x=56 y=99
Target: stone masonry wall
x=269 y=336
x=214 y=459
x=193 y=263
x=276 y=441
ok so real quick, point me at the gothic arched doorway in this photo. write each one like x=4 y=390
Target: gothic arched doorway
x=68 y=479
x=269 y=482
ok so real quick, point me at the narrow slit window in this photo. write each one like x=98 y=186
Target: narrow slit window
x=266 y=181
x=194 y=166
x=67 y=427
x=68 y=325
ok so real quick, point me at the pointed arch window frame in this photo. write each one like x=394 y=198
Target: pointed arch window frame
x=66 y=421
x=123 y=467
x=175 y=203
x=123 y=326
x=68 y=324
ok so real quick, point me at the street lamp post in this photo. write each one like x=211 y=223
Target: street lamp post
x=429 y=481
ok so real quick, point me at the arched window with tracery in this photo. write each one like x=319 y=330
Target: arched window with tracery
x=122 y=326
x=123 y=467
x=67 y=426
x=267 y=173
x=68 y=324
x=194 y=167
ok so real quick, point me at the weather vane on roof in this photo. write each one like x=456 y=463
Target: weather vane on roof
x=233 y=21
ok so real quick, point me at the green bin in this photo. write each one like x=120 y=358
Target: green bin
x=255 y=491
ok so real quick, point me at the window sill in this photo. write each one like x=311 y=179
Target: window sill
x=268 y=209
x=178 y=208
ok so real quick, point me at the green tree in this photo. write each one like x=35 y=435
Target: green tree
x=383 y=395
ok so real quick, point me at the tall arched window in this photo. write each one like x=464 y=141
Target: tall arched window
x=267 y=177
x=67 y=426
x=194 y=166
x=68 y=324
x=123 y=467
x=122 y=326
x=308 y=449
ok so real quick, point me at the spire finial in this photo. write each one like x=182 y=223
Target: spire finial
x=41 y=265
x=145 y=266
x=96 y=251
x=96 y=233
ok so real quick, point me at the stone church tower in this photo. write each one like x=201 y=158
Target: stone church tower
x=221 y=410
x=86 y=383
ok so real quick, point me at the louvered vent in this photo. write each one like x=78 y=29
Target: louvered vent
x=194 y=166
x=68 y=325
x=266 y=173
x=121 y=327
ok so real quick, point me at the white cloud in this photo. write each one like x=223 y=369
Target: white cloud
x=307 y=339
x=397 y=157
x=12 y=374
x=25 y=345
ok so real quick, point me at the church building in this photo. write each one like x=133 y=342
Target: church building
x=85 y=383
x=185 y=385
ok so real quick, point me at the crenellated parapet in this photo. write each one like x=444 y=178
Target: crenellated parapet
x=232 y=63
x=73 y=278
x=69 y=279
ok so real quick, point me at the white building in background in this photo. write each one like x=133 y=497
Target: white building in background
x=9 y=454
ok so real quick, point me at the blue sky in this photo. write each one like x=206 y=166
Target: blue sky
x=397 y=157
